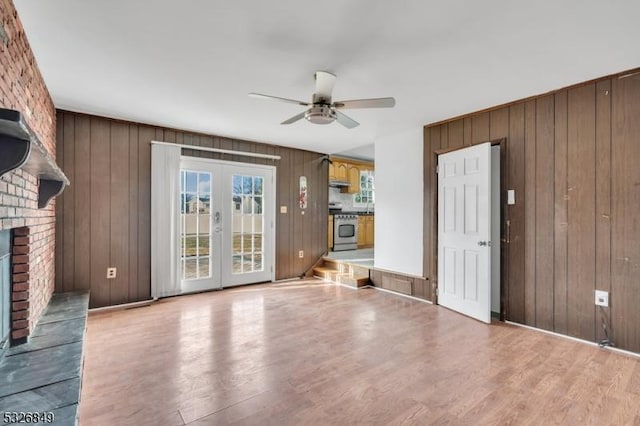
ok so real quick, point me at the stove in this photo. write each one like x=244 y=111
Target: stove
x=345 y=232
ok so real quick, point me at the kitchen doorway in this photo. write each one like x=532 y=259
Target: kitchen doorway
x=227 y=229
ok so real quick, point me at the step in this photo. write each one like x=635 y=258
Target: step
x=349 y=278
x=353 y=281
x=329 y=263
x=358 y=270
x=325 y=273
x=344 y=266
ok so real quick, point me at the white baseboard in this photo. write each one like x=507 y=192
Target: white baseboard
x=122 y=306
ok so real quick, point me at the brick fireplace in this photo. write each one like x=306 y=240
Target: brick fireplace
x=19 y=284
x=14 y=284
x=22 y=89
x=31 y=258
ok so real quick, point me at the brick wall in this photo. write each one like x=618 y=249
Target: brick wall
x=22 y=88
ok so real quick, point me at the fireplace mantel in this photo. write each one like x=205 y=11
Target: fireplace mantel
x=21 y=148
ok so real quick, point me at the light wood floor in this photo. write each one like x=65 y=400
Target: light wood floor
x=316 y=353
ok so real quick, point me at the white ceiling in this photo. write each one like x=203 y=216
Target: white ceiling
x=190 y=64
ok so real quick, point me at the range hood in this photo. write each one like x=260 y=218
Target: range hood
x=21 y=148
x=338 y=183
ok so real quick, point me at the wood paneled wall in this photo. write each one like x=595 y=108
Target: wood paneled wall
x=104 y=217
x=572 y=158
x=409 y=285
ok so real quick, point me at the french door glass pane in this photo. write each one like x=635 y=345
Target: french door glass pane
x=257 y=261
x=247 y=223
x=237 y=243
x=203 y=267
x=237 y=265
x=195 y=224
x=190 y=270
x=247 y=202
x=203 y=245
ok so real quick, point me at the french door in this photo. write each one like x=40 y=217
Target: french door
x=226 y=224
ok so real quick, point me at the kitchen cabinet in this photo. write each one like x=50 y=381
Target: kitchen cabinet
x=366 y=229
x=364 y=167
x=347 y=170
x=341 y=170
x=361 y=232
x=369 y=231
x=330 y=239
x=354 y=180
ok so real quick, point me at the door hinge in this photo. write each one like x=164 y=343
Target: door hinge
x=437 y=168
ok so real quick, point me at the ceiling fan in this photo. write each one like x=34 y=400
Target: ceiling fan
x=322 y=110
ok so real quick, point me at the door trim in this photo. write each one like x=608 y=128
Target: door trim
x=274 y=170
x=504 y=242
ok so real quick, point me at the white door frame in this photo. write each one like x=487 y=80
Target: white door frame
x=273 y=169
x=504 y=224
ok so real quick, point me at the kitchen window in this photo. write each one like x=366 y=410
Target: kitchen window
x=366 y=196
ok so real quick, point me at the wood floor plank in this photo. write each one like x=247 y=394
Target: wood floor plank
x=311 y=352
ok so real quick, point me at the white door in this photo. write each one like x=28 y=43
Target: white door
x=464 y=231
x=226 y=228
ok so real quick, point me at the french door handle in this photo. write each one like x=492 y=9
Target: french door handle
x=484 y=243
x=216 y=218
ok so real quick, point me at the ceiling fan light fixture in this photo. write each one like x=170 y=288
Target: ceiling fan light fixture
x=322 y=110
x=320 y=114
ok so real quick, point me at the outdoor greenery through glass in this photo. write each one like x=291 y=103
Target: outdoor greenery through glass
x=195 y=228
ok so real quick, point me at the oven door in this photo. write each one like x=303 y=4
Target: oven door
x=345 y=233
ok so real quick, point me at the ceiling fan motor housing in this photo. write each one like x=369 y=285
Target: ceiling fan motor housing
x=320 y=114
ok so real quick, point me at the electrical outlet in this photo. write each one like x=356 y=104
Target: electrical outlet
x=602 y=298
x=111 y=273
x=301 y=254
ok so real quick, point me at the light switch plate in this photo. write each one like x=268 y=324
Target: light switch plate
x=602 y=298
x=511 y=197
x=283 y=209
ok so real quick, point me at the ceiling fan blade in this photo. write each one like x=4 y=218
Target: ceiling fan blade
x=294 y=118
x=324 y=86
x=366 y=103
x=346 y=121
x=275 y=98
